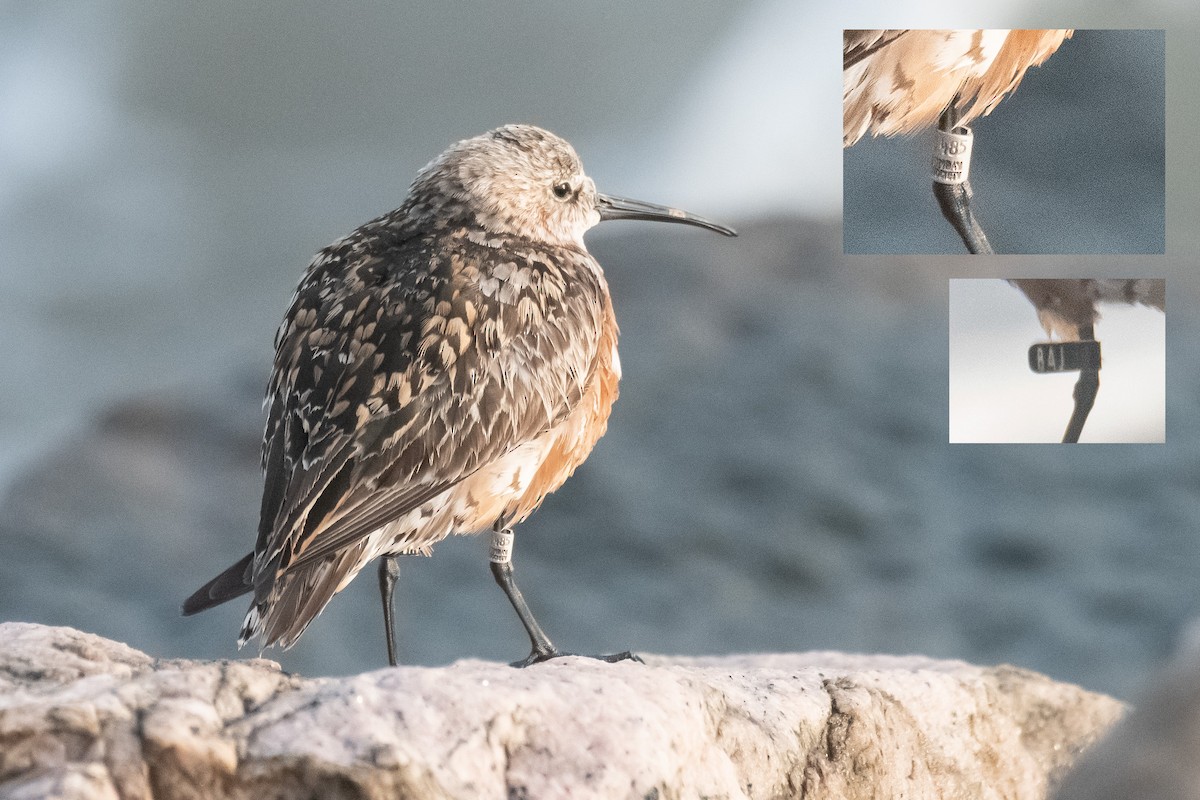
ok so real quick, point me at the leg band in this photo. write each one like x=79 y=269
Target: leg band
x=502 y=547
x=952 y=156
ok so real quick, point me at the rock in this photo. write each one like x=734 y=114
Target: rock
x=1153 y=754
x=85 y=717
x=103 y=534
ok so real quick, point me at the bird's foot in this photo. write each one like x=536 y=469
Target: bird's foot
x=624 y=655
x=539 y=656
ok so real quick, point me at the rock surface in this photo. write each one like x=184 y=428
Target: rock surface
x=85 y=717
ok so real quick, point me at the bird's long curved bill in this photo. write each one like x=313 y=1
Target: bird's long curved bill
x=620 y=208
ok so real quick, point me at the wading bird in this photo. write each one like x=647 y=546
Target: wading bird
x=440 y=371
x=902 y=81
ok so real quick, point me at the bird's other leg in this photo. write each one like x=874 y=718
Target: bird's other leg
x=389 y=571
x=1086 y=388
x=951 y=187
x=543 y=649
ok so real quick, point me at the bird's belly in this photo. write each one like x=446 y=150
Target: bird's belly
x=514 y=485
x=567 y=446
x=904 y=87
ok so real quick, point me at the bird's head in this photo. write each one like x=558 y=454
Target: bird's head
x=524 y=181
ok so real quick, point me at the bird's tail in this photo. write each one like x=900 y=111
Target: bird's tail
x=292 y=599
x=233 y=582
x=1147 y=291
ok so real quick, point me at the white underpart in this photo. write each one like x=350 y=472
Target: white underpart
x=896 y=88
x=511 y=475
x=478 y=501
x=952 y=55
x=593 y=219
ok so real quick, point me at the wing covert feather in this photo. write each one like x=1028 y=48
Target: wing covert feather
x=402 y=367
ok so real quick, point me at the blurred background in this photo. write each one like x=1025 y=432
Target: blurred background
x=776 y=474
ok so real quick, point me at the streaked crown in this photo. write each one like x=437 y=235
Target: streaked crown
x=518 y=180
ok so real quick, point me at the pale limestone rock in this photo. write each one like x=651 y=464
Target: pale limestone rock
x=84 y=717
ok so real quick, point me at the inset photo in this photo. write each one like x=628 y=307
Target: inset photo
x=1057 y=360
x=1004 y=141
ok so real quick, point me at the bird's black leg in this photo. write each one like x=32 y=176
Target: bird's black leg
x=502 y=570
x=389 y=571
x=951 y=162
x=1085 y=392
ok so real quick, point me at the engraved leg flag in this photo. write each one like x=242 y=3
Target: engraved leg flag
x=1068 y=309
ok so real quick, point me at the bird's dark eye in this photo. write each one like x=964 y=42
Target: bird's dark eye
x=562 y=190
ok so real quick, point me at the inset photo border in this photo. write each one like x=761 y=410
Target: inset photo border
x=1071 y=160
x=1020 y=354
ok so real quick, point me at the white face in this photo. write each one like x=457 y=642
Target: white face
x=519 y=180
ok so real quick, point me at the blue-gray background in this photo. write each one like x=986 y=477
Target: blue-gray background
x=776 y=476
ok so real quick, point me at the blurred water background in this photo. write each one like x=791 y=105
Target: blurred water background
x=777 y=474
